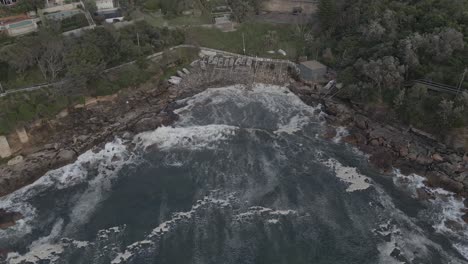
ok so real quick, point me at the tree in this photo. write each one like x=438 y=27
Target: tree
x=374 y=31
x=448 y=113
x=90 y=5
x=385 y=73
x=327 y=13
x=84 y=61
x=52 y=59
x=271 y=39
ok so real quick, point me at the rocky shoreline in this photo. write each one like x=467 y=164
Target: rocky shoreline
x=391 y=145
x=146 y=108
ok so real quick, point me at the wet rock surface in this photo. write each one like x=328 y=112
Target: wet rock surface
x=390 y=145
x=8 y=219
x=84 y=128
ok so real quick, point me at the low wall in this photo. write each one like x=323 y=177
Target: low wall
x=5 y=150
x=60 y=8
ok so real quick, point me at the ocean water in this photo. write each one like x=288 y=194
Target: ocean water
x=242 y=177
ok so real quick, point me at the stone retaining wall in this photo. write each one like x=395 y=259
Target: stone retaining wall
x=5 y=150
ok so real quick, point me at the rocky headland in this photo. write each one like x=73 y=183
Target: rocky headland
x=391 y=145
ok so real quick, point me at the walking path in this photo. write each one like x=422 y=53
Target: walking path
x=150 y=57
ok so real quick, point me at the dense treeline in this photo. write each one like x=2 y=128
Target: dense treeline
x=21 y=7
x=378 y=45
x=77 y=63
x=84 y=57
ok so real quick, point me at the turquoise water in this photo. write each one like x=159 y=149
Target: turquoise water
x=21 y=24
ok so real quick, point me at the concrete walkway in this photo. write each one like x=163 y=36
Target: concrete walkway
x=152 y=57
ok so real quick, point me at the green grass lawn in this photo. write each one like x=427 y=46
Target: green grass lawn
x=255 y=42
x=190 y=20
x=157 y=20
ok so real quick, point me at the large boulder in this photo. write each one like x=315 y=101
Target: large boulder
x=146 y=124
x=64 y=157
x=361 y=122
x=437 y=179
x=8 y=219
x=329 y=133
x=342 y=112
x=382 y=159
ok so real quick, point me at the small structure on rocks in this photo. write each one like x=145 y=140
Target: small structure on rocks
x=313 y=71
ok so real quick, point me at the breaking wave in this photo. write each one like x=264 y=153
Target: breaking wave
x=242 y=176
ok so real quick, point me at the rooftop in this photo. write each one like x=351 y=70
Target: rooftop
x=313 y=64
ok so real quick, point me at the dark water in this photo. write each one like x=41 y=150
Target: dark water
x=243 y=177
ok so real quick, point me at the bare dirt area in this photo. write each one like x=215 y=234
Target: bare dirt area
x=287 y=6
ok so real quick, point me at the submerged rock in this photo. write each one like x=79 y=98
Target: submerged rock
x=8 y=219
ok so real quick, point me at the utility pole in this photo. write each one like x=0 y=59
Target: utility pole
x=138 y=41
x=462 y=80
x=243 y=42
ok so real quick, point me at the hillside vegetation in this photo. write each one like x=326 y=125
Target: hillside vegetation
x=77 y=64
x=378 y=45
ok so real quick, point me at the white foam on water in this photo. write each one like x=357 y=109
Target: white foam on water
x=449 y=209
x=349 y=175
x=341 y=132
x=296 y=123
x=406 y=234
x=462 y=248
x=167 y=226
x=194 y=138
x=64 y=178
x=55 y=232
x=44 y=253
x=292 y=112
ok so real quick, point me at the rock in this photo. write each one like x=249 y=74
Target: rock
x=454 y=225
x=15 y=160
x=361 y=122
x=65 y=156
x=412 y=156
x=375 y=142
x=382 y=159
x=465 y=218
x=454 y=158
x=329 y=133
x=422 y=134
x=82 y=138
x=146 y=124
x=403 y=151
x=350 y=139
x=462 y=176
x=8 y=219
x=423 y=160
x=356 y=138
x=423 y=194
x=448 y=168
x=342 y=112
x=437 y=179
x=437 y=157
x=127 y=135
